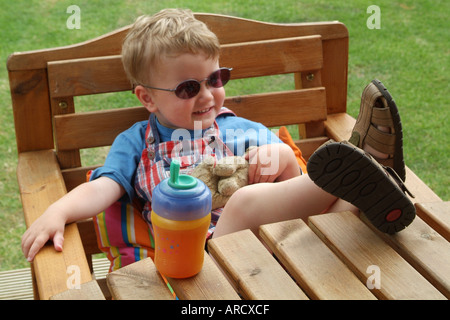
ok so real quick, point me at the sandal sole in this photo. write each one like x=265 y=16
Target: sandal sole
x=346 y=172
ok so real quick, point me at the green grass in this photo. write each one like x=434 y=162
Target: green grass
x=409 y=54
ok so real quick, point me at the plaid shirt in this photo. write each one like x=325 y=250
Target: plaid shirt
x=154 y=165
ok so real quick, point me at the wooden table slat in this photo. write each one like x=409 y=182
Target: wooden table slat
x=337 y=256
x=138 y=281
x=369 y=257
x=209 y=284
x=320 y=273
x=87 y=291
x=255 y=272
x=425 y=249
x=437 y=215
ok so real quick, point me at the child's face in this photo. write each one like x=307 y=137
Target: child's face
x=174 y=112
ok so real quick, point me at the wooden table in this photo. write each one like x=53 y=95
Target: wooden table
x=335 y=256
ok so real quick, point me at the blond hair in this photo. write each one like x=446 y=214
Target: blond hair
x=168 y=33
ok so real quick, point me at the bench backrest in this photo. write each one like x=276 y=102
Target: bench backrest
x=44 y=83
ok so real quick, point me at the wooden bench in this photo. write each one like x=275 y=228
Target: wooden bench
x=50 y=134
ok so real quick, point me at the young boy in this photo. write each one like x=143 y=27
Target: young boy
x=172 y=60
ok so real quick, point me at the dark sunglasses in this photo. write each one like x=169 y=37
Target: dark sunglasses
x=190 y=88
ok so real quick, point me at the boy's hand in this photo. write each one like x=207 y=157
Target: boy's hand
x=83 y=202
x=271 y=162
x=49 y=226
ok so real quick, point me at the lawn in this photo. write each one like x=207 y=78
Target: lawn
x=409 y=53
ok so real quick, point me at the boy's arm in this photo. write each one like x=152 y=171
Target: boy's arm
x=85 y=201
x=272 y=162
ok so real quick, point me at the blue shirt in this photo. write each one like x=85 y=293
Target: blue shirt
x=125 y=153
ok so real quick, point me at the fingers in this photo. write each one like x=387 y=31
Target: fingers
x=262 y=168
x=58 y=241
x=259 y=177
x=32 y=243
x=27 y=241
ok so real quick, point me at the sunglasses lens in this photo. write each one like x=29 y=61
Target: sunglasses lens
x=190 y=88
x=187 y=89
x=219 y=78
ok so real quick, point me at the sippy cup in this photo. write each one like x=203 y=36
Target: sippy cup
x=181 y=215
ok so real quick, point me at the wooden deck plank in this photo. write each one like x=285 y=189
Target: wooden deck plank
x=17 y=284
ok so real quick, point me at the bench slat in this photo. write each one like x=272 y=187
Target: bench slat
x=281 y=108
x=32 y=115
x=437 y=215
x=320 y=273
x=87 y=76
x=228 y=29
x=99 y=128
x=68 y=78
x=253 y=270
x=209 y=284
x=148 y=283
x=94 y=129
x=289 y=55
x=363 y=251
x=426 y=250
x=87 y=291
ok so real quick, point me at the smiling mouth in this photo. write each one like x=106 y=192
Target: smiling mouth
x=203 y=111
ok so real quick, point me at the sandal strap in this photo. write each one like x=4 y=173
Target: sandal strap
x=381 y=141
x=377 y=110
x=382 y=117
x=391 y=172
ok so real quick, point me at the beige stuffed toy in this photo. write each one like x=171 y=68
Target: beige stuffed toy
x=223 y=177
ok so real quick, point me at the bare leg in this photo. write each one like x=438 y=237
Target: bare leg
x=263 y=203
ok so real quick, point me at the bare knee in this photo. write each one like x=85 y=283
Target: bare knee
x=242 y=203
x=237 y=213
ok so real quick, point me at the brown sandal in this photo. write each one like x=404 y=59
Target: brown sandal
x=349 y=173
x=378 y=109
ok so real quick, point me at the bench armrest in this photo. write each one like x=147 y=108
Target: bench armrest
x=41 y=183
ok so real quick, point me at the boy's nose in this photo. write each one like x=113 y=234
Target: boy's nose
x=206 y=91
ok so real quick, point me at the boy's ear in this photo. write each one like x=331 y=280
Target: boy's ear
x=145 y=97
